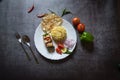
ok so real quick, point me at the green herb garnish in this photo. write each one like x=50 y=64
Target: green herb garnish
x=87 y=37
x=67 y=52
x=45 y=34
x=65 y=12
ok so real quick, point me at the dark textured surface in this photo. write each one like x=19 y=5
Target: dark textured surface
x=88 y=62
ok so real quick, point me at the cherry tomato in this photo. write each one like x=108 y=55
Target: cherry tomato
x=81 y=27
x=76 y=21
x=61 y=46
x=58 y=50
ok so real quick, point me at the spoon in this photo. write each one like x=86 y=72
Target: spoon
x=26 y=40
x=18 y=37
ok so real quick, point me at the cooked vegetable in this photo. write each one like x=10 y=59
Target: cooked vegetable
x=81 y=27
x=31 y=9
x=76 y=21
x=51 y=49
x=87 y=37
x=65 y=12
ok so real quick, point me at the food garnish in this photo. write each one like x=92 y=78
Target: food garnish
x=31 y=9
x=81 y=27
x=69 y=43
x=62 y=49
x=48 y=42
x=61 y=46
x=76 y=21
x=58 y=50
x=67 y=51
x=65 y=12
x=87 y=37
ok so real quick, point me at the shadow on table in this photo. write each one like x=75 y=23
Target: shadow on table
x=58 y=61
x=88 y=46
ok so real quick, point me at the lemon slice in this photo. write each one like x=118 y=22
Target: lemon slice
x=64 y=50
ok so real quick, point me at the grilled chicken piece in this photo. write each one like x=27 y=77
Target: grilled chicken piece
x=48 y=42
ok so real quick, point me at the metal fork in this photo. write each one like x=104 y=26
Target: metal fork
x=18 y=37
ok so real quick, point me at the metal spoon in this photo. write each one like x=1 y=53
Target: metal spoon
x=26 y=40
x=18 y=37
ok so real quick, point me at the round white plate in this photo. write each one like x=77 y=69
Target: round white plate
x=39 y=43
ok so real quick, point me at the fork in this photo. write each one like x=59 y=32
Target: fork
x=18 y=37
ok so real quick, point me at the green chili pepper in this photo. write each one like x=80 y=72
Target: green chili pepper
x=87 y=37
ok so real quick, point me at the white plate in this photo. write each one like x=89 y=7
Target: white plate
x=39 y=43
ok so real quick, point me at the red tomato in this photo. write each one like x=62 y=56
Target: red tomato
x=81 y=27
x=58 y=50
x=76 y=21
x=61 y=46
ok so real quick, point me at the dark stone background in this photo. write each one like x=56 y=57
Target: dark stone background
x=88 y=62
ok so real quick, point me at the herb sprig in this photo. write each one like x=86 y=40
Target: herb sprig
x=51 y=11
x=65 y=12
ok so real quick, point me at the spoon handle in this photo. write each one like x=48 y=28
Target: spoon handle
x=34 y=55
x=25 y=52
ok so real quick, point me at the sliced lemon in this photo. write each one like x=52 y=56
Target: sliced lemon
x=64 y=50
